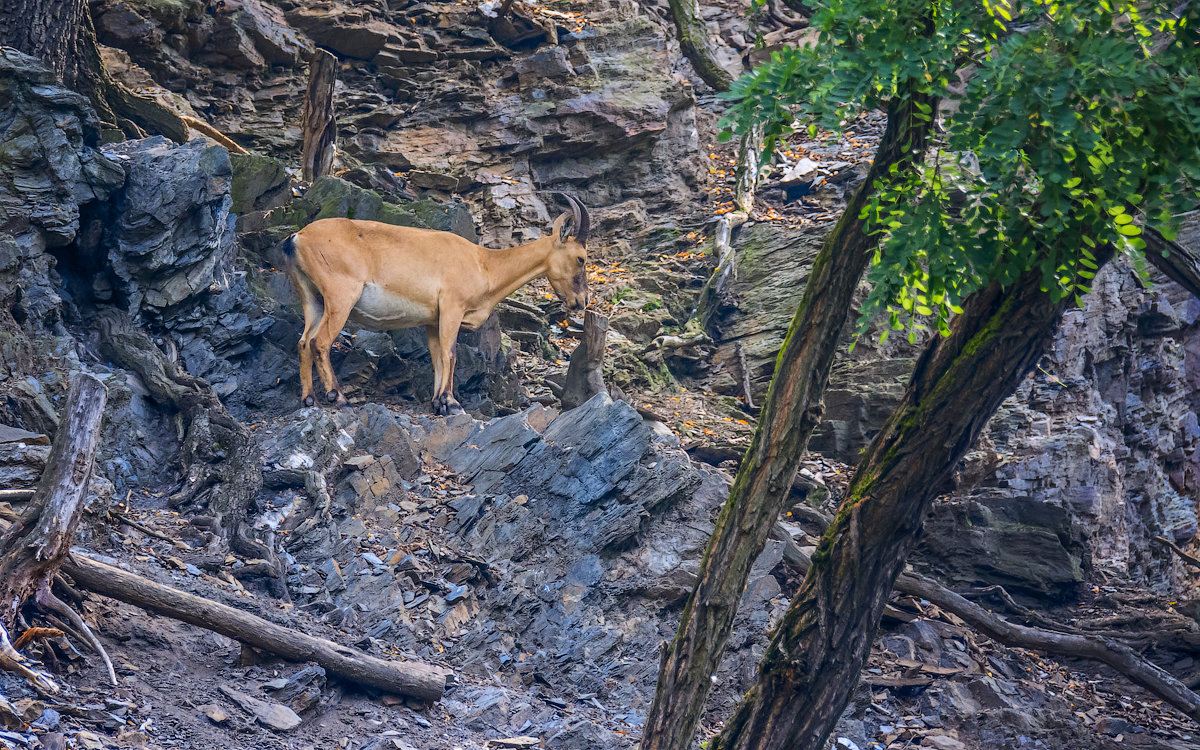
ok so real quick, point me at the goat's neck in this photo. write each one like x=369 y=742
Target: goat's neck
x=510 y=269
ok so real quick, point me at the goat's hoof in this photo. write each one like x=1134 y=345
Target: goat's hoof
x=452 y=407
x=308 y=400
x=333 y=396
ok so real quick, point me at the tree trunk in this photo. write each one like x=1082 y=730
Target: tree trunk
x=696 y=45
x=33 y=548
x=585 y=373
x=750 y=148
x=791 y=412
x=320 y=130
x=812 y=664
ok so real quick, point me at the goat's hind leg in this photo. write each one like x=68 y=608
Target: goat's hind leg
x=314 y=311
x=337 y=312
x=435 y=356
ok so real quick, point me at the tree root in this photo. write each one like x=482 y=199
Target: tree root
x=47 y=599
x=222 y=473
x=1195 y=563
x=12 y=661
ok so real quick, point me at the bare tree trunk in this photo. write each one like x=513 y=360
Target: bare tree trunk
x=695 y=44
x=33 y=548
x=320 y=130
x=791 y=412
x=812 y=664
x=585 y=373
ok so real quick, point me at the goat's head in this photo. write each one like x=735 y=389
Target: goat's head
x=568 y=261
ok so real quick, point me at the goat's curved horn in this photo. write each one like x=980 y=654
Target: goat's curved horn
x=583 y=221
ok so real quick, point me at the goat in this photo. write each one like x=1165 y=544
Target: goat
x=385 y=277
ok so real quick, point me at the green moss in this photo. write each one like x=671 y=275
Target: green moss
x=253 y=177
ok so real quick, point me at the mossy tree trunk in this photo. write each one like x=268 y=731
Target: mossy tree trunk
x=696 y=45
x=812 y=664
x=792 y=410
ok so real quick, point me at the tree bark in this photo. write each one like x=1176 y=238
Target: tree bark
x=811 y=666
x=319 y=127
x=32 y=549
x=51 y=30
x=416 y=679
x=791 y=412
x=585 y=373
x=696 y=45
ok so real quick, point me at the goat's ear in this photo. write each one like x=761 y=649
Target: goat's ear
x=561 y=229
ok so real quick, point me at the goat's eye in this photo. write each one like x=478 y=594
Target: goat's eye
x=582 y=261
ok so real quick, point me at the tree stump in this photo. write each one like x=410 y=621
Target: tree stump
x=320 y=130
x=585 y=377
x=33 y=548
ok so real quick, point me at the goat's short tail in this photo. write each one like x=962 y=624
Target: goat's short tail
x=285 y=253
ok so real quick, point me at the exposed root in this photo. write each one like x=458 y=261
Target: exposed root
x=47 y=599
x=205 y=129
x=12 y=661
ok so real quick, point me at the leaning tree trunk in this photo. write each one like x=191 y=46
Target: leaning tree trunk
x=317 y=121
x=696 y=45
x=33 y=548
x=222 y=474
x=791 y=412
x=812 y=664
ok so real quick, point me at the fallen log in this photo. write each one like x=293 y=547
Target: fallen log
x=414 y=679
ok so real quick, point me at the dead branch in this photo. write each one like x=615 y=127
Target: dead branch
x=317 y=121
x=745 y=376
x=784 y=17
x=585 y=373
x=750 y=147
x=204 y=128
x=1190 y=560
x=415 y=679
x=16 y=496
x=222 y=474
x=32 y=549
x=47 y=600
x=1094 y=648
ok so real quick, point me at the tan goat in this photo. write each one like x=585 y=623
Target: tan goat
x=385 y=277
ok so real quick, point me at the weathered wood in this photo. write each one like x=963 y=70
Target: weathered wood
x=200 y=126
x=32 y=549
x=585 y=373
x=12 y=661
x=16 y=496
x=415 y=679
x=1093 y=647
x=750 y=147
x=16 y=435
x=317 y=121
x=791 y=412
x=958 y=383
x=1074 y=644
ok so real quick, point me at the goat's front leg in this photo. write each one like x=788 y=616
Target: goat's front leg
x=443 y=395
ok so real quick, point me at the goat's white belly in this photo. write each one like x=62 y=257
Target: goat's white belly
x=382 y=310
